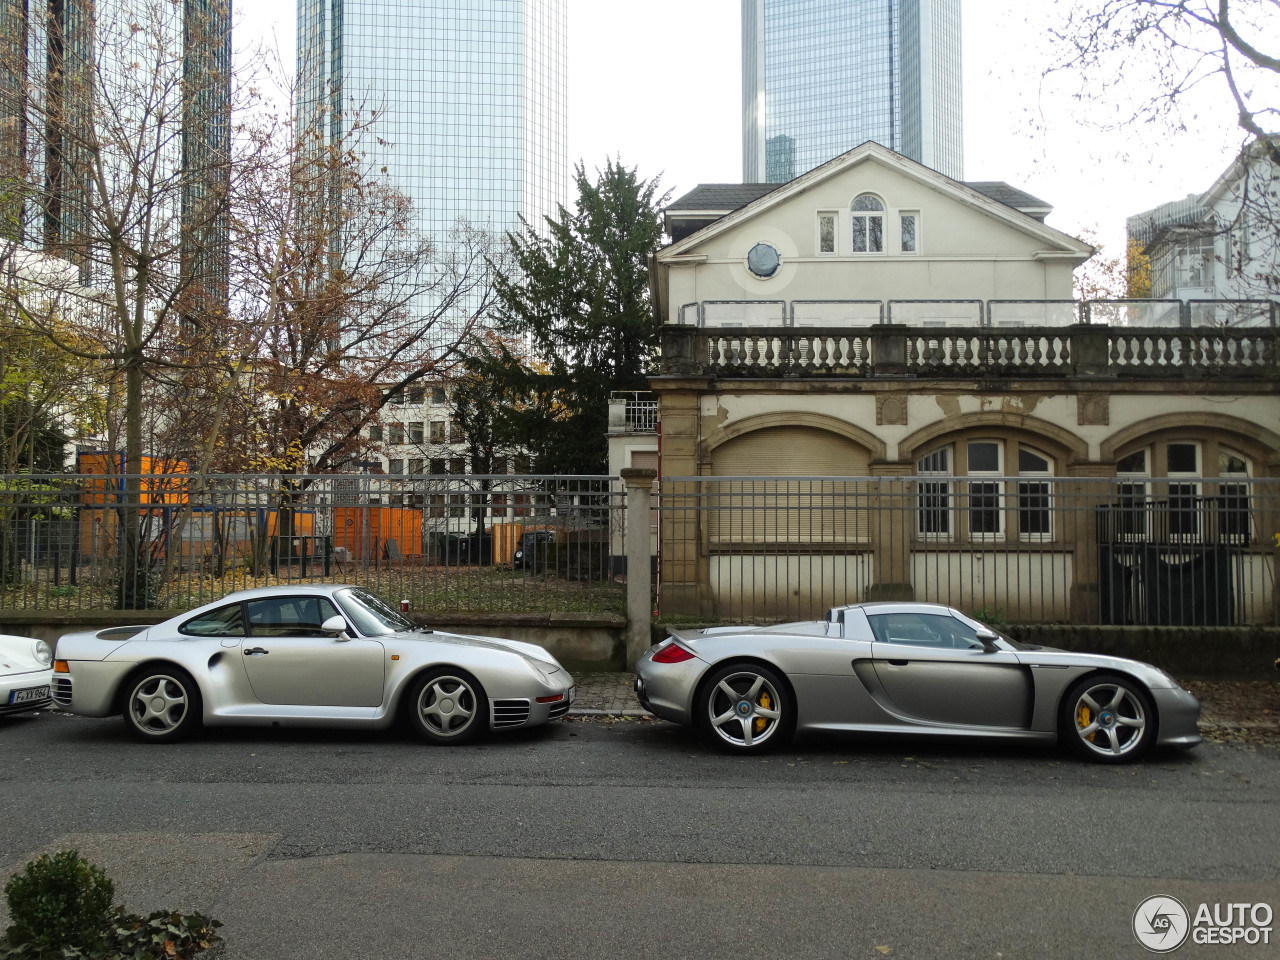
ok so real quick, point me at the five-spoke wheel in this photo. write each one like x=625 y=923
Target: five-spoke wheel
x=162 y=703
x=1108 y=719
x=746 y=708
x=448 y=706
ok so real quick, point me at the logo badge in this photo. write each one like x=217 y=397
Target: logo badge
x=1161 y=924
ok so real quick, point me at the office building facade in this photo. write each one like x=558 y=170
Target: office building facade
x=820 y=77
x=63 y=61
x=469 y=98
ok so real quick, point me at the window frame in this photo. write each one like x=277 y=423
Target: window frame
x=985 y=479
x=864 y=218
x=835 y=233
x=1038 y=478
x=914 y=214
x=934 y=497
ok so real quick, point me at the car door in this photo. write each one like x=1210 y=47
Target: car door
x=932 y=667
x=291 y=662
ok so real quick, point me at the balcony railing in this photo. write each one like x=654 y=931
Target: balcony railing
x=974 y=338
x=633 y=411
x=975 y=352
x=1164 y=314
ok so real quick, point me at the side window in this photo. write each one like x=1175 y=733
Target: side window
x=226 y=621
x=924 y=630
x=909 y=231
x=288 y=616
x=827 y=232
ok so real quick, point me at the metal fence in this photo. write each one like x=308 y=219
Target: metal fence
x=523 y=544
x=1029 y=548
x=1132 y=550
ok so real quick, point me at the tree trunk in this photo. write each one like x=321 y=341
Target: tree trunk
x=133 y=593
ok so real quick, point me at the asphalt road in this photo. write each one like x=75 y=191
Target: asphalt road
x=599 y=839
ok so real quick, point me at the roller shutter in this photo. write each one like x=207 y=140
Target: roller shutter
x=815 y=511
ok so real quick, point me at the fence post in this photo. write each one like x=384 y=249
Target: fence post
x=639 y=490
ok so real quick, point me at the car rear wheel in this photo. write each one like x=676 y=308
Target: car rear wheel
x=448 y=706
x=746 y=708
x=1108 y=719
x=162 y=704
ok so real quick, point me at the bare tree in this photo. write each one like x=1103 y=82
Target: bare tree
x=122 y=165
x=348 y=302
x=1159 y=62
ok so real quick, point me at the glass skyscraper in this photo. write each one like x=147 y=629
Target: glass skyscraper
x=819 y=77
x=470 y=97
x=59 y=57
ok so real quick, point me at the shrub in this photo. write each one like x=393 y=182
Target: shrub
x=61 y=910
x=60 y=900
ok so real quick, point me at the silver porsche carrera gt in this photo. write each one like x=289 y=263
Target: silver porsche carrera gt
x=909 y=668
x=306 y=656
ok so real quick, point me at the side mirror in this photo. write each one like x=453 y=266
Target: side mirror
x=988 y=641
x=336 y=625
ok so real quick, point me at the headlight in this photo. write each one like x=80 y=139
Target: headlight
x=42 y=652
x=536 y=667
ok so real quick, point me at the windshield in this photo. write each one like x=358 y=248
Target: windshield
x=372 y=617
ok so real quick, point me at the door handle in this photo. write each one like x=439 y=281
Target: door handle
x=253 y=651
x=899 y=663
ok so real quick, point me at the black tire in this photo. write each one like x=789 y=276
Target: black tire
x=447 y=705
x=1107 y=718
x=758 y=716
x=162 y=704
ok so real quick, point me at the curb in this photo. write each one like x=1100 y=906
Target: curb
x=596 y=712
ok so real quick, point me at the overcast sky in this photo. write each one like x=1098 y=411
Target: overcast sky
x=663 y=92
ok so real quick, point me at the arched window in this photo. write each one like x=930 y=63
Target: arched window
x=868 y=224
x=971 y=482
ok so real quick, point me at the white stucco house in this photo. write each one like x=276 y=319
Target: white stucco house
x=1221 y=244
x=900 y=354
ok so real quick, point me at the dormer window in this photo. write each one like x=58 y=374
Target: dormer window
x=868 y=224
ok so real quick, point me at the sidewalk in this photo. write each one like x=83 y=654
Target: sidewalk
x=605 y=695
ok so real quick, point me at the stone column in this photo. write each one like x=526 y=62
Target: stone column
x=685 y=570
x=892 y=516
x=1080 y=535
x=639 y=484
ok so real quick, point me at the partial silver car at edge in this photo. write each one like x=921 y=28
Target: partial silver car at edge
x=909 y=668
x=306 y=656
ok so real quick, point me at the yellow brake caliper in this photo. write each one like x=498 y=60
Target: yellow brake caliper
x=1082 y=720
x=766 y=703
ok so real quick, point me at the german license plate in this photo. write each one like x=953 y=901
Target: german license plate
x=27 y=694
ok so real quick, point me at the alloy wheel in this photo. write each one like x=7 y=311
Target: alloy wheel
x=158 y=705
x=744 y=709
x=446 y=707
x=1109 y=720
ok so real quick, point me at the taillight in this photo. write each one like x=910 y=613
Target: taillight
x=673 y=653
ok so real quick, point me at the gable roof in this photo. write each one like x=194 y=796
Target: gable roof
x=995 y=197
x=722 y=196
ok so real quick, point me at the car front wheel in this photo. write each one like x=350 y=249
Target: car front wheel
x=1108 y=719
x=448 y=706
x=162 y=704
x=746 y=708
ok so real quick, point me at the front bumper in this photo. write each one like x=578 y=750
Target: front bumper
x=506 y=714
x=19 y=685
x=1178 y=711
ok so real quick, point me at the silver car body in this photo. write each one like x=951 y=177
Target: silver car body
x=25 y=674
x=318 y=680
x=845 y=679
